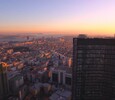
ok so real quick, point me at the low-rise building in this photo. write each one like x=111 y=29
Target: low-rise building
x=61 y=95
x=62 y=75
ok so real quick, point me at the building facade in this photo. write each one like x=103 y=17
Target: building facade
x=93 y=69
x=62 y=76
x=4 y=87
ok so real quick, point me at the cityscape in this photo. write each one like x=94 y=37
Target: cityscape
x=36 y=69
x=57 y=50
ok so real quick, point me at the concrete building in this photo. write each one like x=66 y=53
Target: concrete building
x=62 y=75
x=15 y=83
x=61 y=95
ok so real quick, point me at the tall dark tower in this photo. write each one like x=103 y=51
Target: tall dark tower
x=4 y=88
x=93 y=69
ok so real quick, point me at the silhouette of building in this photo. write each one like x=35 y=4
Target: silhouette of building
x=4 y=88
x=93 y=69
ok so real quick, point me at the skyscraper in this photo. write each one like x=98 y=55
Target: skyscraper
x=4 y=89
x=93 y=69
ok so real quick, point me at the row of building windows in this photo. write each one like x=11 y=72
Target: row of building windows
x=102 y=47
x=96 y=55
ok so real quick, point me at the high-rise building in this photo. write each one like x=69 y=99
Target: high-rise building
x=15 y=83
x=4 y=88
x=93 y=69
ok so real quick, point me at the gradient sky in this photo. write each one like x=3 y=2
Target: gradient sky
x=58 y=16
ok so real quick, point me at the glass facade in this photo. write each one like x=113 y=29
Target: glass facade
x=55 y=77
x=93 y=69
x=68 y=80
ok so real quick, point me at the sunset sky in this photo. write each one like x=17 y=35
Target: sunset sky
x=92 y=17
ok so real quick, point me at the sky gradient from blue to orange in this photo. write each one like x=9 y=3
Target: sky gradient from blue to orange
x=58 y=16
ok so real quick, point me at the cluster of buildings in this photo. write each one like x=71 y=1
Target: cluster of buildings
x=27 y=71
x=45 y=69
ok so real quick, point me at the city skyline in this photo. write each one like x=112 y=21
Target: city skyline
x=63 y=16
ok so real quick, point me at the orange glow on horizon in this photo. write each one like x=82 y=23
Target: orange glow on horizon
x=93 y=28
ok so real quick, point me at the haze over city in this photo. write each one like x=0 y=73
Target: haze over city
x=93 y=17
x=57 y=49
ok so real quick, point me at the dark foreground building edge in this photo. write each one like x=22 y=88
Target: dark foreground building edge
x=93 y=69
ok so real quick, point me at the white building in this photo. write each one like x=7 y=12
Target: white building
x=62 y=75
